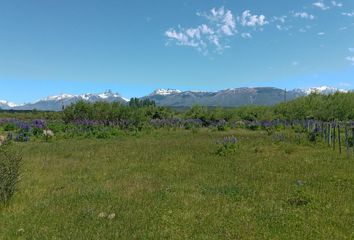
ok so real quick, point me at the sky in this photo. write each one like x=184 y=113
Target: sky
x=50 y=47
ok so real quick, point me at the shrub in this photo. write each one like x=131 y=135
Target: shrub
x=254 y=126
x=298 y=128
x=10 y=162
x=269 y=131
x=239 y=124
x=227 y=146
x=223 y=127
x=312 y=136
x=278 y=137
x=9 y=127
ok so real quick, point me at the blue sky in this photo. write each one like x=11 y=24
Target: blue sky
x=49 y=47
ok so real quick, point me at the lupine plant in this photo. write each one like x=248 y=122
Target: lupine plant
x=228 y=145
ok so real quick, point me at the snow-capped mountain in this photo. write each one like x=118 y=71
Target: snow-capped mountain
x=55 y=103
x=7 y=105
x=232 y=97
x=58 y=97
x=325 y=90
x=165 y=92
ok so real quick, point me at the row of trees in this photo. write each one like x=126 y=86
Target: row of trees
x=338 y=106
x=137 y=111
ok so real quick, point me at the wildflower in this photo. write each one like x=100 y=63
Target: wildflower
x=227 y=146
x=111 y=216
x=300 y=183
x=48 y=133
x=102 y=215
x=2 y=140
x=39 y=123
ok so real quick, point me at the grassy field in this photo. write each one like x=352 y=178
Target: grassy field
x=172 y=185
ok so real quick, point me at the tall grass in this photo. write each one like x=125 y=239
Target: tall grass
x=10 y=162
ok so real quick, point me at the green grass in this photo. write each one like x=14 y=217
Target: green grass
x=172 y=185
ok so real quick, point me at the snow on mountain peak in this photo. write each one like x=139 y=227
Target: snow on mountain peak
x=165 y=92
x=9 y=104
x=324 y=90
x=86 y=96
x=59 y=97
x=108 y=94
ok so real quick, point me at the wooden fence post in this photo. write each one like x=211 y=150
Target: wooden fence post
x=334 y=136
x=329 y=134
x=353 y=139
x=339 y=140
x=308 y=126
x=347 y=140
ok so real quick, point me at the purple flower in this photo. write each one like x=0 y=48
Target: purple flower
x=39 y=123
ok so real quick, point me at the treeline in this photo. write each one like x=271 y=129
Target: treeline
x=338 y=106
x=138 y=112
x=30 y=114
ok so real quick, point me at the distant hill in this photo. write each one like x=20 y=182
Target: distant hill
x=55 y=103
x=225 y=98
x=235 y=97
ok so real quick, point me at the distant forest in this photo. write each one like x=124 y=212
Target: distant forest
x=338 y=106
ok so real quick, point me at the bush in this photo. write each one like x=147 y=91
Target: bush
x=227 y=146
x=10 y=162
x=312 y=137
x=351 y=142
x=9 y=127
x=223 y=127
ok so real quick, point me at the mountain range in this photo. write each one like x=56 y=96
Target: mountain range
x=233 y=97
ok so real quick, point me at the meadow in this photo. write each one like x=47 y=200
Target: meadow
x=172 y=184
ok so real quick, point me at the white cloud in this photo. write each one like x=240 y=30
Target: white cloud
x=246 y=35
x=320 y=5
x=337 y=4
x=351 y=59
x=279 y=27
x=280 y=23
x=220 y=25
x=304 y=15
x=342 y=28
x=180 y=37
x=295 y=63
x=321 y=33
x=223 y=19
x=281 y=19
x=348 y=14
x=249 y=20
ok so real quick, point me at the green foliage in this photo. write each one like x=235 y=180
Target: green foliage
x=223 y=127
x=351 y=141
x=338 y=106
x=169 y=184
x=228 y=146
x=312 y=137
x=9 y=127
x=10 y=162
x=136 y=102
x=198 y=112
